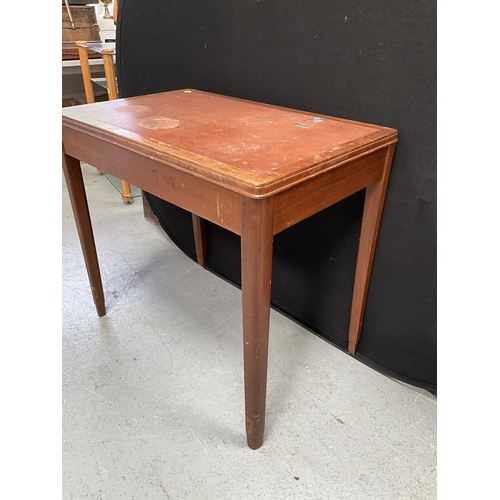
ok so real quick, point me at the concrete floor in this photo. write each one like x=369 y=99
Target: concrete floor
x=153 y=391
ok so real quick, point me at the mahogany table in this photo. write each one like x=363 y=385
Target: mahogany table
x=251 y=168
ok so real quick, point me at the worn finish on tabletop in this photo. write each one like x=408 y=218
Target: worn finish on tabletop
x=251 y=168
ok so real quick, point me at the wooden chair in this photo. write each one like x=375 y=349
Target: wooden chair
x=107 y=51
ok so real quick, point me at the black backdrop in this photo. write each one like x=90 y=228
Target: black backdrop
x=357 y=59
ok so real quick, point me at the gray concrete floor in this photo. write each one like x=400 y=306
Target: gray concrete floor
x=153 y=391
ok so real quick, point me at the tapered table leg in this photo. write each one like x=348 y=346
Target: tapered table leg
x=74 y=181
x=199 y=239
x=372 y=214
x=86 y=74
x=87 y=78
x=109 y=73
x=256 y=271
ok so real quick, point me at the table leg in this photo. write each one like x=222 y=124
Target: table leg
x=372 y=215
x=109 y=73
x=86 y=75
x=256 y=271
x=87 y=78
x=76 y=189
x=200 y=239
x=126 y=192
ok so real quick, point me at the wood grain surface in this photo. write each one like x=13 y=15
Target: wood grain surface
x=252 y=148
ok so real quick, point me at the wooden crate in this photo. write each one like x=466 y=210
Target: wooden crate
x=85 y=21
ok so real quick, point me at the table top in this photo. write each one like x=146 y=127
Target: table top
x=98 y=47
x=257 y=148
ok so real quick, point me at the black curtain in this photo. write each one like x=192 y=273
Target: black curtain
x=358 y=59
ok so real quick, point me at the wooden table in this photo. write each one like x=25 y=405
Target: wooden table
x=251 y=168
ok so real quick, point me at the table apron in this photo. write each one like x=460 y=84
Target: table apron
x=216 y=203
x=205 y=199
x=315 y=194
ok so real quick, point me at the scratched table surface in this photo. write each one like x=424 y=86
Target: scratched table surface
x=263 y=145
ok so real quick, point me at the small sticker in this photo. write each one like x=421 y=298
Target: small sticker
x=187 y=91
x=300 y=125
x=316 y=119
